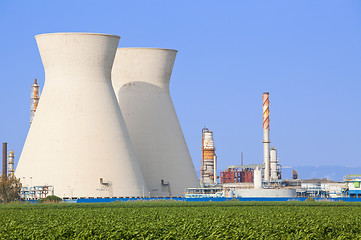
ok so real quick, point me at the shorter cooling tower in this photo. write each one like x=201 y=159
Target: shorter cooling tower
x=78 y=142
x=140 y=78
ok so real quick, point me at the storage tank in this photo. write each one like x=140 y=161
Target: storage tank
x=257 y=178
x=78 y=141
x=273 y=164
x=140 y=78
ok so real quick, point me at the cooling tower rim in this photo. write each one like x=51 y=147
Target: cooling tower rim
x=77 y=33
x=148 y=48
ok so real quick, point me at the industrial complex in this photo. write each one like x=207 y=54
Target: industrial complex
x=112 y=132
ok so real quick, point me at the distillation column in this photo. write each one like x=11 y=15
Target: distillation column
x=266 y=139
x=35 y=96
x=209 y=165
x=11 y=163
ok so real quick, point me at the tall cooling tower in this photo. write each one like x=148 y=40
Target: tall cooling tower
x=140 y=78
x=78 y=141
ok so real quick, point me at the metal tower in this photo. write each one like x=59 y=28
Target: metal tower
x=11 y=163
x=35 y=96
x=209 y=158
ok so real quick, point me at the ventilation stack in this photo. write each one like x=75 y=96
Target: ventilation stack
x=209 y=159
x=78 y=142
x=140 y=78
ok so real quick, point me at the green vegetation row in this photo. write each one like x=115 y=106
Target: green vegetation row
x=182 y=220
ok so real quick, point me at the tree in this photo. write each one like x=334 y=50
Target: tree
x=50 y=199
x=10 y=189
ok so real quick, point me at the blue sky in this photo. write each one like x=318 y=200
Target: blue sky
x=307 y=54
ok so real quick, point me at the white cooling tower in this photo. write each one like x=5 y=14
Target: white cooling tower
x=140 y=78
x=78 y=141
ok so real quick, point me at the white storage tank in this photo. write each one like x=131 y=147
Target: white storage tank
x=140 y=78
x=273 y=164
x=78 y=141
x=257 y=178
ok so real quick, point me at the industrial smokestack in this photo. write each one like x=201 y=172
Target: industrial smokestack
x=241 y=158
x=5 y=160
x=266 y=139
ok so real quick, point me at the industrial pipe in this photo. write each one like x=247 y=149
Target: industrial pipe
x=215 y=169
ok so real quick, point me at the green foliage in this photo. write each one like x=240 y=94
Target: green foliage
x=10 y=188
x=182 y=220
x=310 y=199
x=50 y=199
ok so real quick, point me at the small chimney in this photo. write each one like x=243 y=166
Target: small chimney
x=5 y=160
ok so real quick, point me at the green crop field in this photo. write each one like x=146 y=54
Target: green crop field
x=182 y=220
